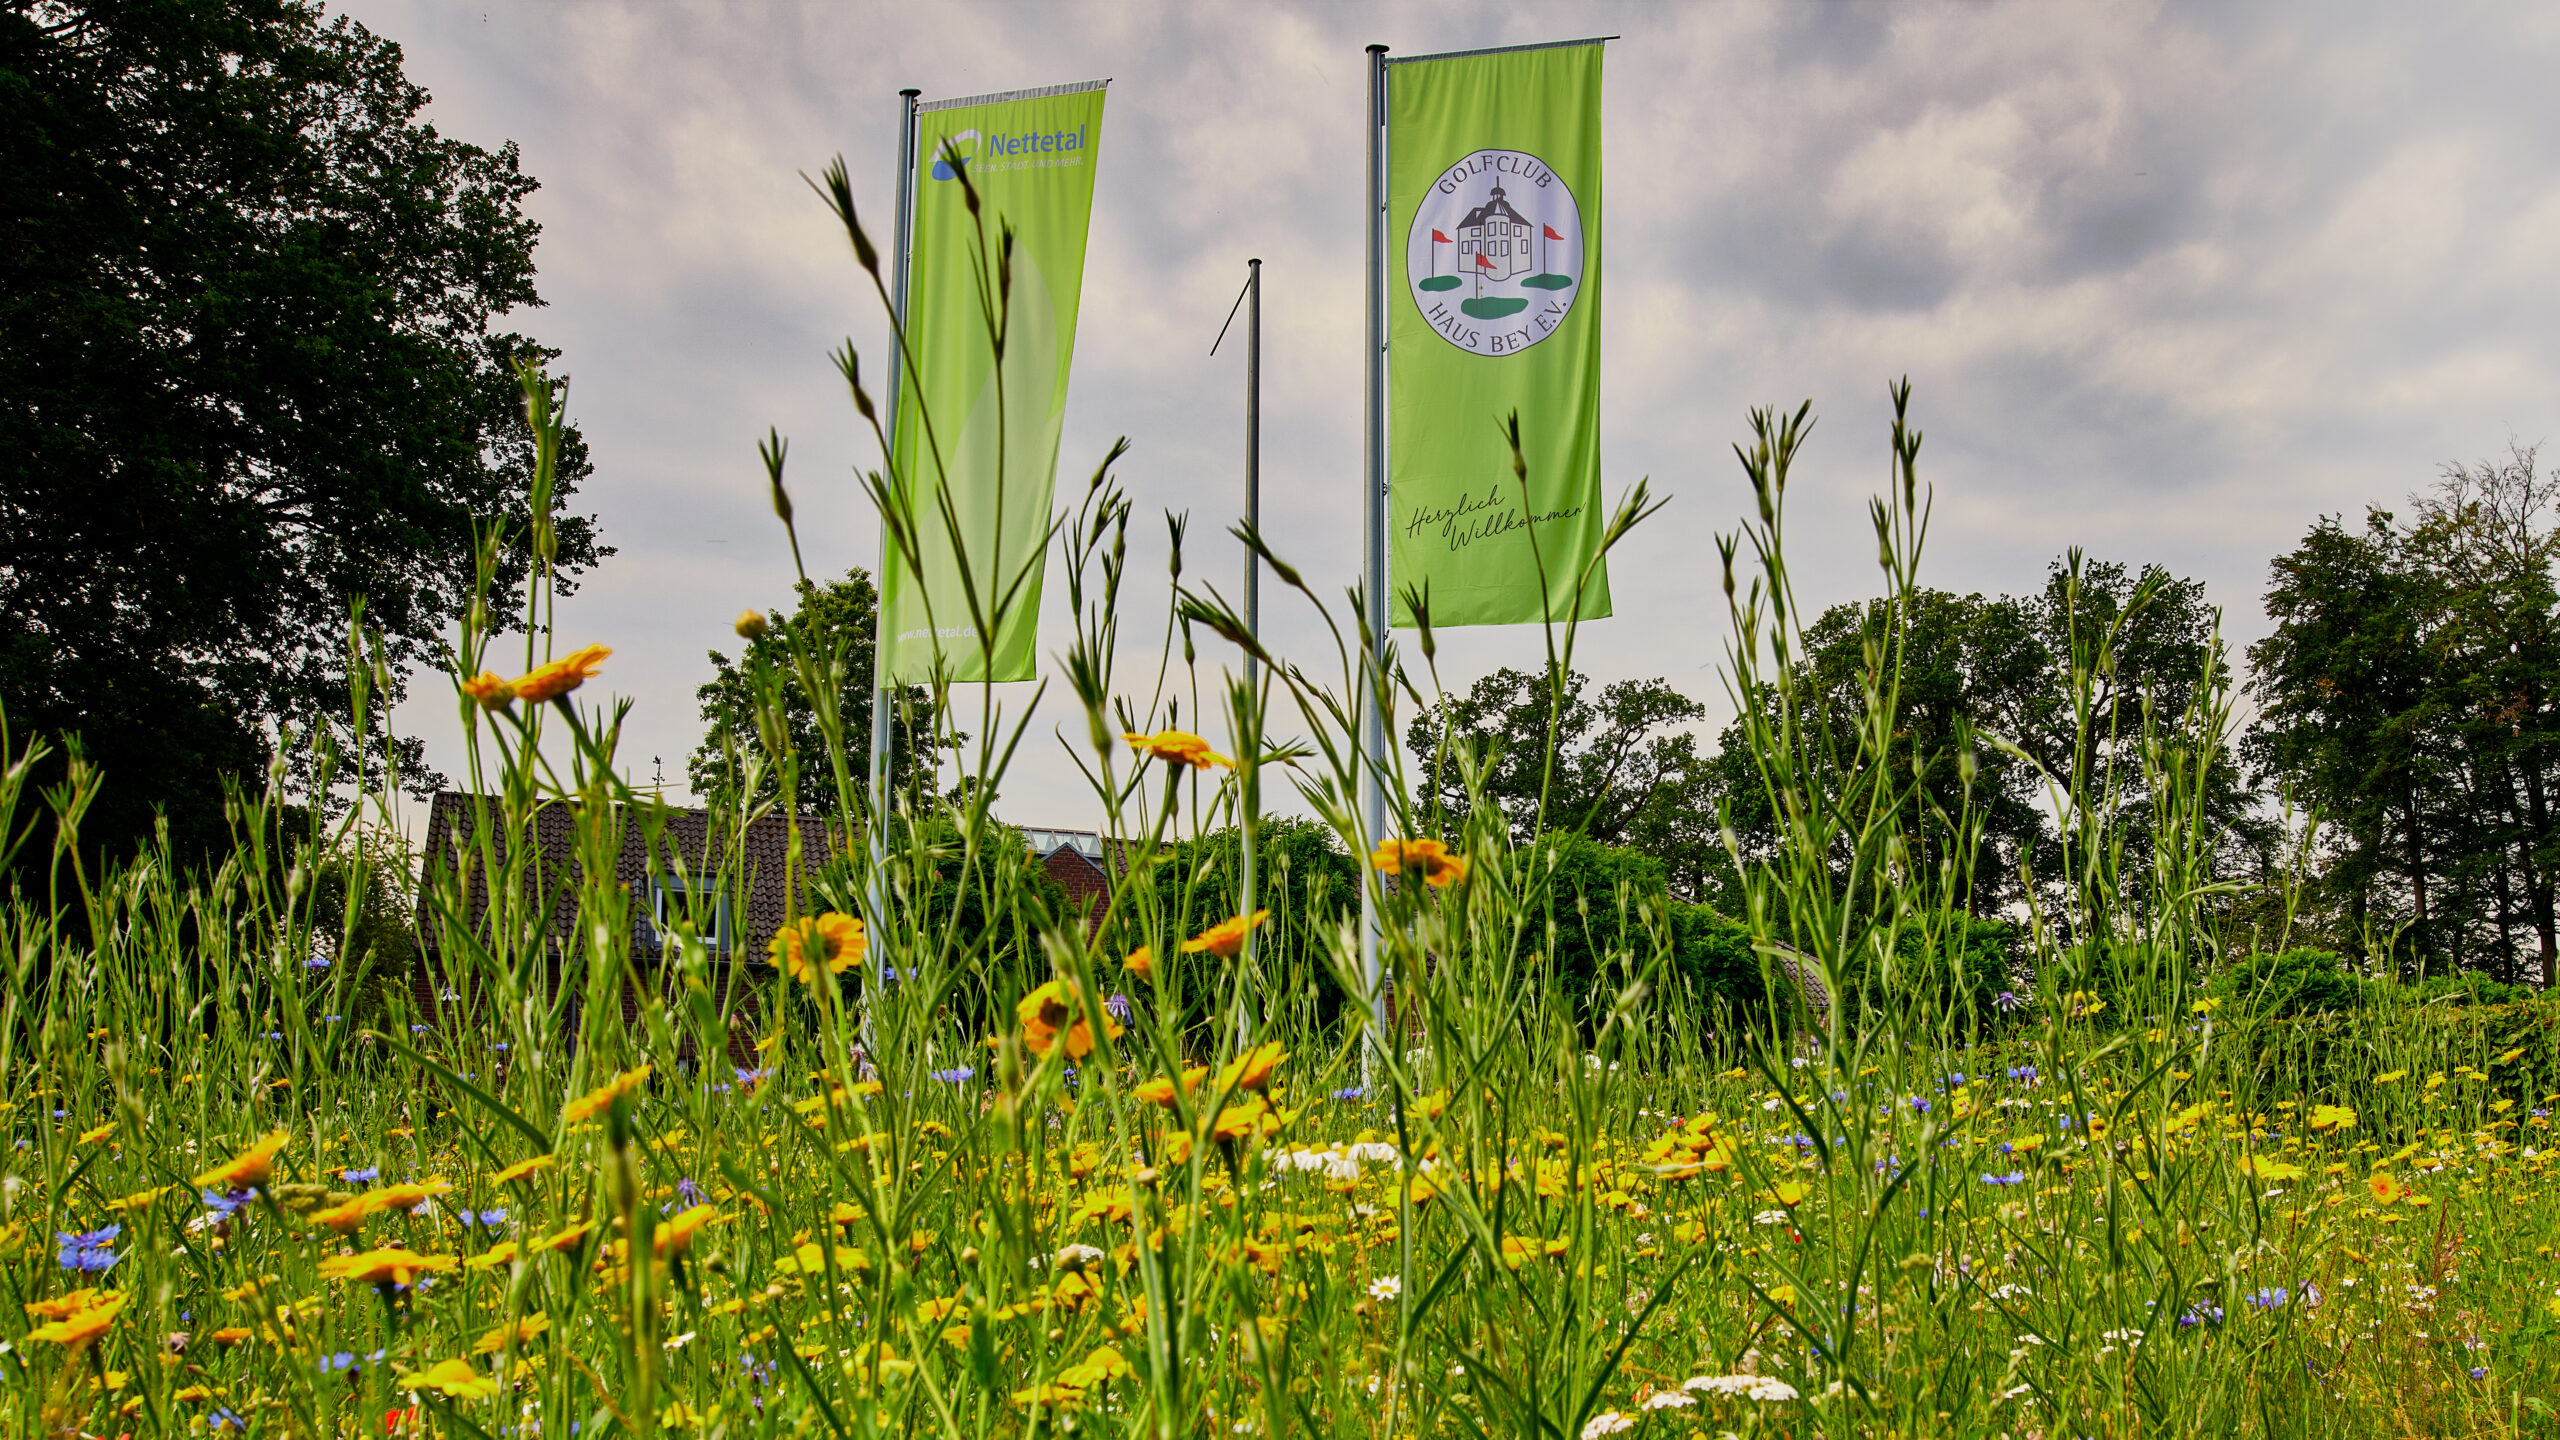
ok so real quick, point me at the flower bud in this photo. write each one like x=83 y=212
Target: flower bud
x=750 y=624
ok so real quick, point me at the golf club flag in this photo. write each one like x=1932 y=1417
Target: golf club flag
x=1501 y=150
x=975 y=452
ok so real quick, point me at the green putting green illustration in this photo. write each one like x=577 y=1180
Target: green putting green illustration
x=1492 y=307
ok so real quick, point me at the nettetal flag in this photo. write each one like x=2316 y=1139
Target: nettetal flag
x=1493 y=199
x=976 y=451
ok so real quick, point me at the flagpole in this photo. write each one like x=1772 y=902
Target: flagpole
x=900 y=244
x=1374 y=556
x=1251 y=741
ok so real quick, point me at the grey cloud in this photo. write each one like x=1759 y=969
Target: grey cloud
x=2171 y=279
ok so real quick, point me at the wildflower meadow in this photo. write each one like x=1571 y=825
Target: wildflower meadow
x=952 y=1158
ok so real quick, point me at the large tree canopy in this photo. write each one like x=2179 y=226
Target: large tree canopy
x=248 y=375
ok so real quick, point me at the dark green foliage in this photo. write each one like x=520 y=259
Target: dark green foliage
x=1308 y=882
x=2410 y=693
x=1607 y=901
x=1622 y=775
x=839 y=624
x=248 y=374
x=2304 y=980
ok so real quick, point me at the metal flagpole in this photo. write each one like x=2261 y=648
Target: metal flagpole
x=880 y=686
x=1249 y=300
x=1373 y=487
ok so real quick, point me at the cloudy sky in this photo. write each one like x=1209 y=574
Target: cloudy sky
x=2169 y=281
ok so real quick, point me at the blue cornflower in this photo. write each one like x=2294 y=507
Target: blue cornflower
x=222 y=1202
x=755 y=1077
x=2026 y=1073
x=2014 y=1177
x=2201 y=1314
x=1919 y=1106
x=687 y=1192
x=1352 y=1092
x=957 y=1075
x=2479 y=1372
x=87 y=1251
x=316 y=962
x=359 y=1177
x=2273 y=1297
x=1121 y=1010
x=486 y=1219
x=2008 y=1000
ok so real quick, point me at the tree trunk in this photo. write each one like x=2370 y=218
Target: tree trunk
x=2417 y=860
x=2537 y=880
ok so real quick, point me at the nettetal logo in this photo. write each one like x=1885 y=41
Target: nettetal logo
x=963 y=146
x=1495 y=254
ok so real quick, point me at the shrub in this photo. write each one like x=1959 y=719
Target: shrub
x=2300 y=981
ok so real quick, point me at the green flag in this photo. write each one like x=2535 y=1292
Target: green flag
x=1493 y=303
x=976 y=451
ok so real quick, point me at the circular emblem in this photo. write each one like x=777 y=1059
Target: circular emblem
x=1494 y=259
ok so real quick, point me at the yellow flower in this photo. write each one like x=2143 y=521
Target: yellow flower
x=489 y=690
x=832 y=940
x=1791 y=1193
x=523 y=1333
x=676 y=1233
x=491 y=1259
x=1252 y=1070
x=2385 y=1187
x=2266 y=1169
x=455 y=1379
x=2332 y=1117
x=1159 y=1091
x=602 y=1096
x=98 y=1133
x=1437 y=866
x=250 y=1167
x=1225 y=938
x=407 y=1198
x=76 y=1330
x=1141 y=962
x=393 y=1266
x=139 y=1199
x=523 y=1168
x=1245 y=1120
x=549 y=682
x=1181 y=747
x=2390 y=1075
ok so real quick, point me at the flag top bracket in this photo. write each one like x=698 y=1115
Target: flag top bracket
x=1042 y=92
x=1498 y=50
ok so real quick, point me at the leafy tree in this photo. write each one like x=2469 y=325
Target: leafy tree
x=249 y=373
x=1622 y=773
x=2410 y=695
x=839 y=623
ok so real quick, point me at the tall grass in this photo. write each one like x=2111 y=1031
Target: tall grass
x=933 y=1196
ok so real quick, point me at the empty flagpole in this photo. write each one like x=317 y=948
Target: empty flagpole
x=1249 y=741
x=1373 y=486
x=899 y=244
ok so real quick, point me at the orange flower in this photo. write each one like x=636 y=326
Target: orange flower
x=602 y=1096
x=407 y=1198
x=493 y=1258
x=1045 y=1013
x=1244 y=1121
x=1159 y=1091
x=558 y=678
x=64 y=1306
x=250 y=1167
x=1226 y=937
x=1252 y=1069
x=1141 y=962
x=1180 y=747
x=77 y=1329
x=348 y=1217
x=2386 y=1187
x=489 y=690
x=833 y=940
x=1437 y=866
x=393 y=1266
x=567 y=1239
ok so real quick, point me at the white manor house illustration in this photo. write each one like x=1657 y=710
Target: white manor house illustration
x=1499 y=235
